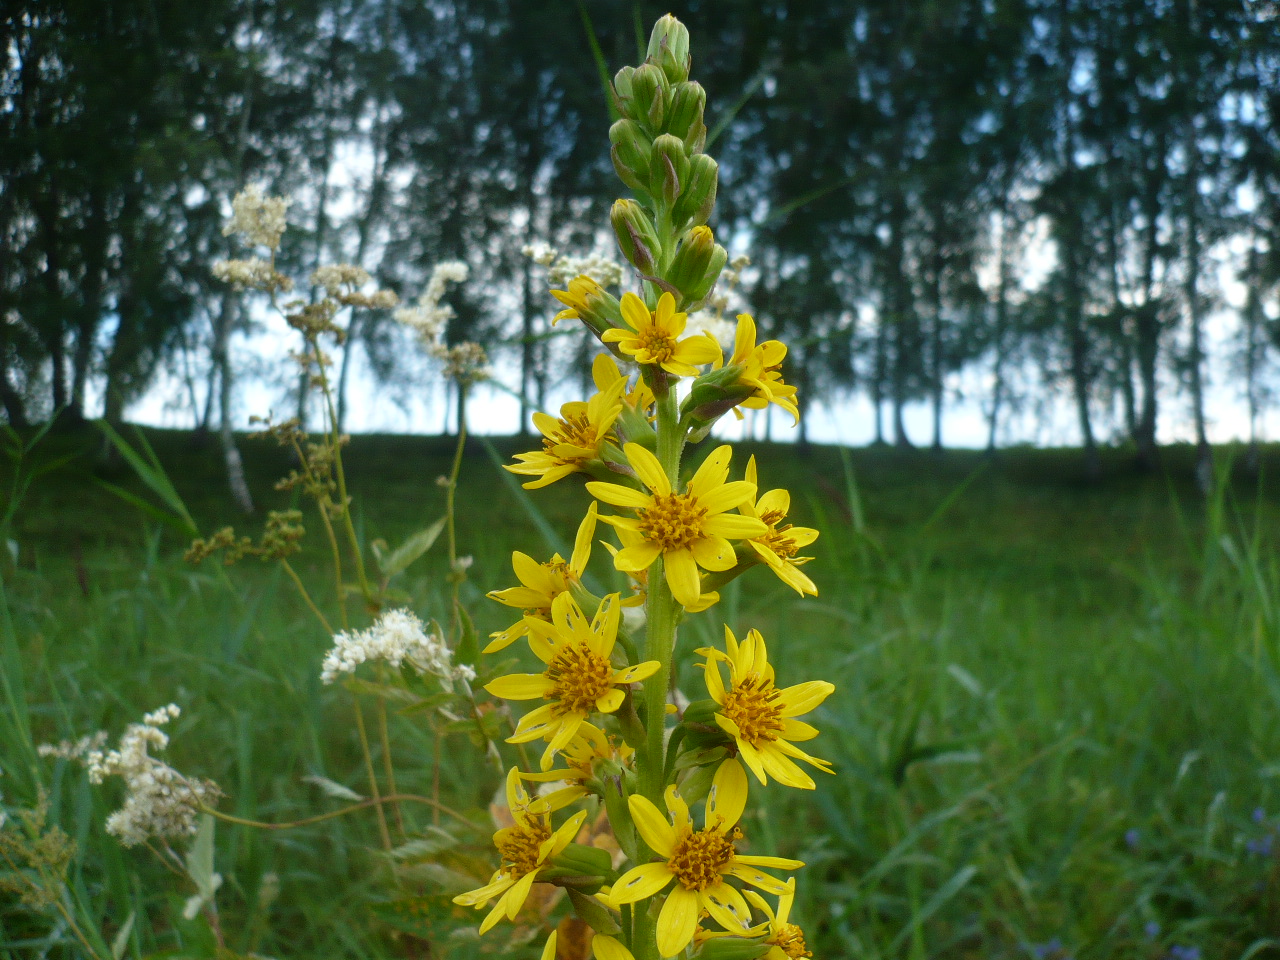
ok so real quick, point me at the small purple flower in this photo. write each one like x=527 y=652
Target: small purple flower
x=1152 y=929
x=1133 y=838
x=1053 y=950
x=1259 y=814
x=1184 y=953
x=1262 y=846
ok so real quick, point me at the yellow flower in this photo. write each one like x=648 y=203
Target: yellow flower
x=605 y=373
x=759 y=716
x=654 y=338
x=785 y=939
x=602 y=948
x=579 y=677
x=527 y=848
x=699 y=860
x=577 y=299
x=689 y=529
x=780 y=544
x=762 y=366
x=542 y=583
x=568 y=443
x=580 y=754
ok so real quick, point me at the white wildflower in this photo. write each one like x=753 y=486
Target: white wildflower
x=258 y=218
x=160 y=802
x=604 y=271
x=397 y=637
x=333 y=277
x=739 y=263
x=429 y=317
x=465 y=362
x=540 y=253
x=254 y=273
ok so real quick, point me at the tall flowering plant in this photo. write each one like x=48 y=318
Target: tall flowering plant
x=681 y=884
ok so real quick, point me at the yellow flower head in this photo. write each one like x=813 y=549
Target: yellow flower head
x=699 y=861
x=569 y=442
x=541 y=583
x=527 y=848
x=605 y=373
x=780 y=544
x=762 y=366
x=578 y=298
x=785 y=939
x=580 y=755
x=654 y=338
x=579 y=678
x=688 y=530
x=759 y=716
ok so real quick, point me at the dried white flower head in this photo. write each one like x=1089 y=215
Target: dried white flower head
x=397 y=637
x=254 y=273
x=540 y=253
x=160 y=801
x=258 y=218
x=465 y=362
x=335 y=276
x=429 y=317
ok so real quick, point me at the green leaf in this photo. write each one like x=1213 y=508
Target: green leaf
x=150 y=509
x=593 y=913
x=147 y=466
x=413 y=548
x=428 y=918
x=468 y=651
x=200 y=859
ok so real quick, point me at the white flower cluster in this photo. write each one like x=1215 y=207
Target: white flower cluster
x=258 y=218
x=342 y=282
x=465 y=362
x=397 y=637
x=428 y=317
x=561 y=268
x=160 y=801
x=710 y=319
x=254 y=273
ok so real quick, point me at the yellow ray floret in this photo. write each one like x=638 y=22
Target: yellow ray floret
x=579 y=678
x=699 y=861
x=779 y=545
x=688 y=530
x=570 y=442
x=654 y=338
x=541 y=583
x=527 y=848
x=577 y=299
x=759 y=716
x=605 y=373
x=602 y=948
x=762 y=368
x=580 y=755
x=785 y=939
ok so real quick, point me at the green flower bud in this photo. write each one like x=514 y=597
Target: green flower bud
x=669 y=48
x=649 y=91
x=622 y=87
x=697 y=265
x=632 y=151
x=733 y=948
x=712 y=396
x=684 y=119
x=668 y=168
x=698 y=198
x=636 y=235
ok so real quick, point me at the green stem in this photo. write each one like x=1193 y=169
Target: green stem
x=662 y=616
x=455 y=575
x=332 y=814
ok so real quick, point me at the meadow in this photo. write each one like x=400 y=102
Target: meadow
x=1054 y=729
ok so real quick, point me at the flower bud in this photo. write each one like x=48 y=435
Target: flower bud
x=698 y=198
x=712 y=396
x=697 y=265
x=637 y=238
x=669 y=48
x=684 y=119
x=649 y=91
x=668 y=168
x=589 y=302
x=631 y=152
x=622 y=88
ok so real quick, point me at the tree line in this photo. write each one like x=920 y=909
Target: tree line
x=890 y=167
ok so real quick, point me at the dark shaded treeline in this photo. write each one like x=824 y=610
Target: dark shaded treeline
x=890 y=166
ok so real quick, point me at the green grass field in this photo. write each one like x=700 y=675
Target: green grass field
x=1055 y=727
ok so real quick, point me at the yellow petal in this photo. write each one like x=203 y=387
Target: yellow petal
x=607 y=948
x=728 y=796
x=803 y=697
x=677 y=921
x=520 y=686
x=734 y=526
x=727 y=907
x=697 y=350
x=549 y=951
x=637 y=557
x=713 y=553
x=726 y=496
x=756 y=877
x=640 y=671
x=712 y=472
x=519 y=893
x=647 y=468
x=682 y=576
x=653 y=826
x=619 y=495
x=774 y=863
x=715 y=682
x=611 y=700
x=582 y=542
x=634 y=312
x=640 y=882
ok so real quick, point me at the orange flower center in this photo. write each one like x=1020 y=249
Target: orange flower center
x=576 y=431
x=673 y=520
x=753 y=705
x=780 y=542
x=790 y=939
x=660 y=346
x=580 y=677
x=699 y=857
x=519 y=847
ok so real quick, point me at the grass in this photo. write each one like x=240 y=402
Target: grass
x=1055 y=718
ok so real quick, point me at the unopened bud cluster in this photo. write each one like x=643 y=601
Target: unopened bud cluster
x=657 y=150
